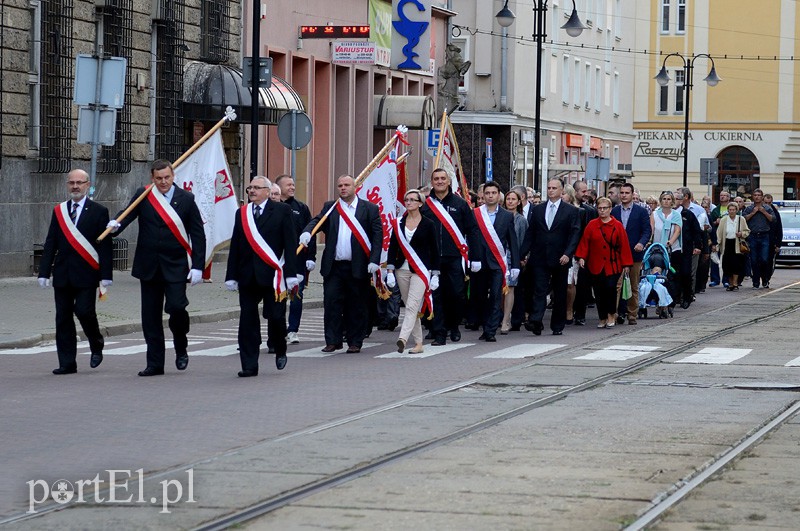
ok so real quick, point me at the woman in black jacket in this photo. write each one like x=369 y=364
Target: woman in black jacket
x=413 y=264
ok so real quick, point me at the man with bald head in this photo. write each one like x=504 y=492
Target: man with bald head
x=79 y=264
x=354 y=238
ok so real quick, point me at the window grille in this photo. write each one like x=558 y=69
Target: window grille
x=214 y=31
x=117 y=42
x=2 y=46
x=57 y=74
x=169 y=80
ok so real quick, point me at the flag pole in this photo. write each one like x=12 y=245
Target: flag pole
x=460 y=170
x=441 y=144
x=230 y=115
x=361 y=177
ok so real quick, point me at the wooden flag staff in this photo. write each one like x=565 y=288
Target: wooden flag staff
x=361 y=177
x=230 y=115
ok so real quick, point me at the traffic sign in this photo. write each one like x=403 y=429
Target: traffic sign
x=264 y=72
x=432 y=143
x=111 y=80
x=709 y=171
x=489 y=170
x=294 y=130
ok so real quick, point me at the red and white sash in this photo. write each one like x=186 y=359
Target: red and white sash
x=171 y=218
x=264 y=251
x=449 y=224
x=355 y=227
x=77 y=240
x=416 y=264
x=492 y=240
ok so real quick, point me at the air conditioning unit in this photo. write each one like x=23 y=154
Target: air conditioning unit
x=526 y=137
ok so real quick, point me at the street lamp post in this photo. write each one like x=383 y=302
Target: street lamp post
x=663 y=79
x=505 y=17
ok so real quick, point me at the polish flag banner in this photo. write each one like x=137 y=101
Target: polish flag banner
x=449 y=159
x=380 y=188
x=206 y=174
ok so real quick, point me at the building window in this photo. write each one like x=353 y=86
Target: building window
x=618 y=20
x=665 y=16
x=2 y=46
x=169 y=80
x=117 y=42
x=663 y=100
x=463 y=45
x=616 y=93
x=587 y=93
x=214 y=30
x=681 y=16
x=598 y=77
x=55 y=86
x=554 y=74
x=679 y=90
x=565 y=81
x=576 y=97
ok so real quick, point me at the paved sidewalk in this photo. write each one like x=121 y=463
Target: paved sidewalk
x=27 y=313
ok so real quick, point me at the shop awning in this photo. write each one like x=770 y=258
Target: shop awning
x=415 y=112
x=208 y=89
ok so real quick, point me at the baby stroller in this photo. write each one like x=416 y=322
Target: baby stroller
x=656 y=281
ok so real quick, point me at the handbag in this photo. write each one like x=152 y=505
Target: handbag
x=743 y=247
x=626 y=291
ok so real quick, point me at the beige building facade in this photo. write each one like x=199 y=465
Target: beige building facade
x=748 y=122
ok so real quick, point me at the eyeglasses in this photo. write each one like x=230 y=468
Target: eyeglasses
x=412 y=200
x=604 y=208
x=255 y=188
x=76 y=183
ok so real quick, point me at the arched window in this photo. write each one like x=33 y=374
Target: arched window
x=739 y=171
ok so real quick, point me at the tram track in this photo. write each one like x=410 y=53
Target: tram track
x=654 y=513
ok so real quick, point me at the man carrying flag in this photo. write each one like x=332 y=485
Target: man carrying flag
x=262 y=266
x=352 y=254
x=457 y=235
x=171 y=250
x=78 y=264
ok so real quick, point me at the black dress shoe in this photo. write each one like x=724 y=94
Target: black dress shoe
x=439 y=342
x=331 y=348
x=65 y=370
x=580 y=322
x=455 y=335
x=429 y=335
x=557 y=332
x=280 y=361
x=95 y=360
x=685 y=305
x=472 y=327
x=181 y=362
x=391 y=325
x=620 y=319
x=152 y=371
x=353 y=350
x=482 y=337
x=535 y=326
x=570 y=321
x=489 y=339
x=247 y=374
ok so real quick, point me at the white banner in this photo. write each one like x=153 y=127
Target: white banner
x=380 y=188
x=206 y=174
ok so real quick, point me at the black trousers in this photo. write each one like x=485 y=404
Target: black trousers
x=346 y=304
x=449 y=299
x=583 y=293
x=79 y=302
x=250 y=324
x=159 y=296
x=544 y=278
x=605 y=294
x=487 y=292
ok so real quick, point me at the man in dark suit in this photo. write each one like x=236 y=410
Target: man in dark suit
x=252 y=265
x=551 y=239
x=636 y=220
x=78 y=264
x=171 y=237
x=352 y=255
x=487 y=284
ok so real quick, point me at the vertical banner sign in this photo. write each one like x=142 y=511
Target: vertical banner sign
x=380 y=23
x=489 y=173
x=411 y=38
x=380 y=188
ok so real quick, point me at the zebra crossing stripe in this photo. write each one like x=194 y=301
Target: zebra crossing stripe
x=618 y=353
x=716 y=356
x=136 y=349
x=794 y=363
x=316 y=352
x=48 y=348
x=428 y=352
x=522 y=351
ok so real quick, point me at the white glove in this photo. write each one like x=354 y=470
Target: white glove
x=475 y=267
x=310 y=265
x=305 y=238
x=114 y=225
x=371 y=268
x=195 y=276
x=231 y=285
x=514 y=273
x=391 y=282
x=44 y=283
x=292 y=283
x=106 y=283
x=434 y=282
x=300 y=278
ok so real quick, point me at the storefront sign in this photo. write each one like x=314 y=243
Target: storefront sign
x=411 y=38
x=354 y=53
x=669 y=145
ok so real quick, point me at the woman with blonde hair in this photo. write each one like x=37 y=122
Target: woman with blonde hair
x=513 y=202
x=732 y=230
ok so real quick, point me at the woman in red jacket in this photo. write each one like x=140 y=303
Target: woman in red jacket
x=605 y=252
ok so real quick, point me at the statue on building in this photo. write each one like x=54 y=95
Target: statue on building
x=450 y=76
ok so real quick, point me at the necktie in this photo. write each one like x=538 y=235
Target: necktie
x=551 y=213
x=257 y=212
x=74 y=212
